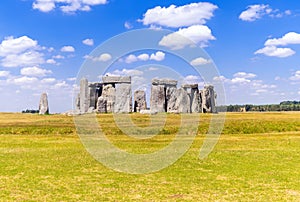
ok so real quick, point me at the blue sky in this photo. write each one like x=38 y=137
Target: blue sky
x=43 y=43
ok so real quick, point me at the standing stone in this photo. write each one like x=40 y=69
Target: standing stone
x=158 y=99
x=43 y=106
x=208 y=97
x=123 y=98
x=77 y=103
x=171 y=97
x=92 y=95
x=84 y=95
x=108 y=94
x=183 y=101
x=162 y=95
x=195 y=98
x=101 y=105
x=139 y=101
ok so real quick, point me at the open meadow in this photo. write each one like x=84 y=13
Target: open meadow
x=256 y=159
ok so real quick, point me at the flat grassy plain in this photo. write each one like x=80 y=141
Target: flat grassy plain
x=256 y=159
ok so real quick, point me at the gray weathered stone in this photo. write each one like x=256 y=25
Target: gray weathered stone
x=77 y=103
x=164 y=82
x=147 y=111
x=191 y=86
x=114 y=95
x=93 y=94
x=183 y=102
x=116 y=79
x=208 y=97
x=158 y=99
x=123 y=98
x=102 y=105
x=196 y=101
x=139 y=101
x=84 y=95
x=43 y=105
x=171 y=97
x=109 y=94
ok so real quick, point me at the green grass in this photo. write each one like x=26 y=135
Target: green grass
x=256 y=159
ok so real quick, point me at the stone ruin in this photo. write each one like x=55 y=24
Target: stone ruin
x=114 y=95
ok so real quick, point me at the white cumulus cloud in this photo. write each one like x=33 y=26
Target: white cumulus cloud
x=296 y=76
x=244 y=75
x=66 y=6
x=128 y=25
x=11 y=45
x=67 y=49
x=48 y=80
x=4 y=73
x=257 y=11
x=131 y=58
x=50 y=61
x=195 y=34
x=58 y=57
x=35 y=71
x=126 y=72
x=200 y=61
x=192 y=79
x=179 y=16
x=158 y=56
x=274 y=51
x=104 y=57
x=271 y=45
x=25 y=80
x=88 y=42
x=289 y=38
x=143 y=57
x=21 y=51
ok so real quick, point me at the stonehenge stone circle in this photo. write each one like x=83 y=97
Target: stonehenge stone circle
x=114 y=95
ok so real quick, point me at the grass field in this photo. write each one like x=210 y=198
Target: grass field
x=256 y=159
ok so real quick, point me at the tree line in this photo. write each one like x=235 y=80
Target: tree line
x=283 y=106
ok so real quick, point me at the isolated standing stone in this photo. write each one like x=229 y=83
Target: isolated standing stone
x=139 y=101
x=43 y=106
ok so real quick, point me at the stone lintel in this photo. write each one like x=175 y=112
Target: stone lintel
x=166 y=82
x=192 y=86
x=116 y=79
x=209 y=86
x=95 y=85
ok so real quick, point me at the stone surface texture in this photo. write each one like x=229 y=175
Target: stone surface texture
x=43 y=105
x=123 y=98
x=139 y=101
x=84 y=95
x=158 y=99
x=102 y=105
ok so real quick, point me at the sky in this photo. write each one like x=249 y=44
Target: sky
x=44 y=44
